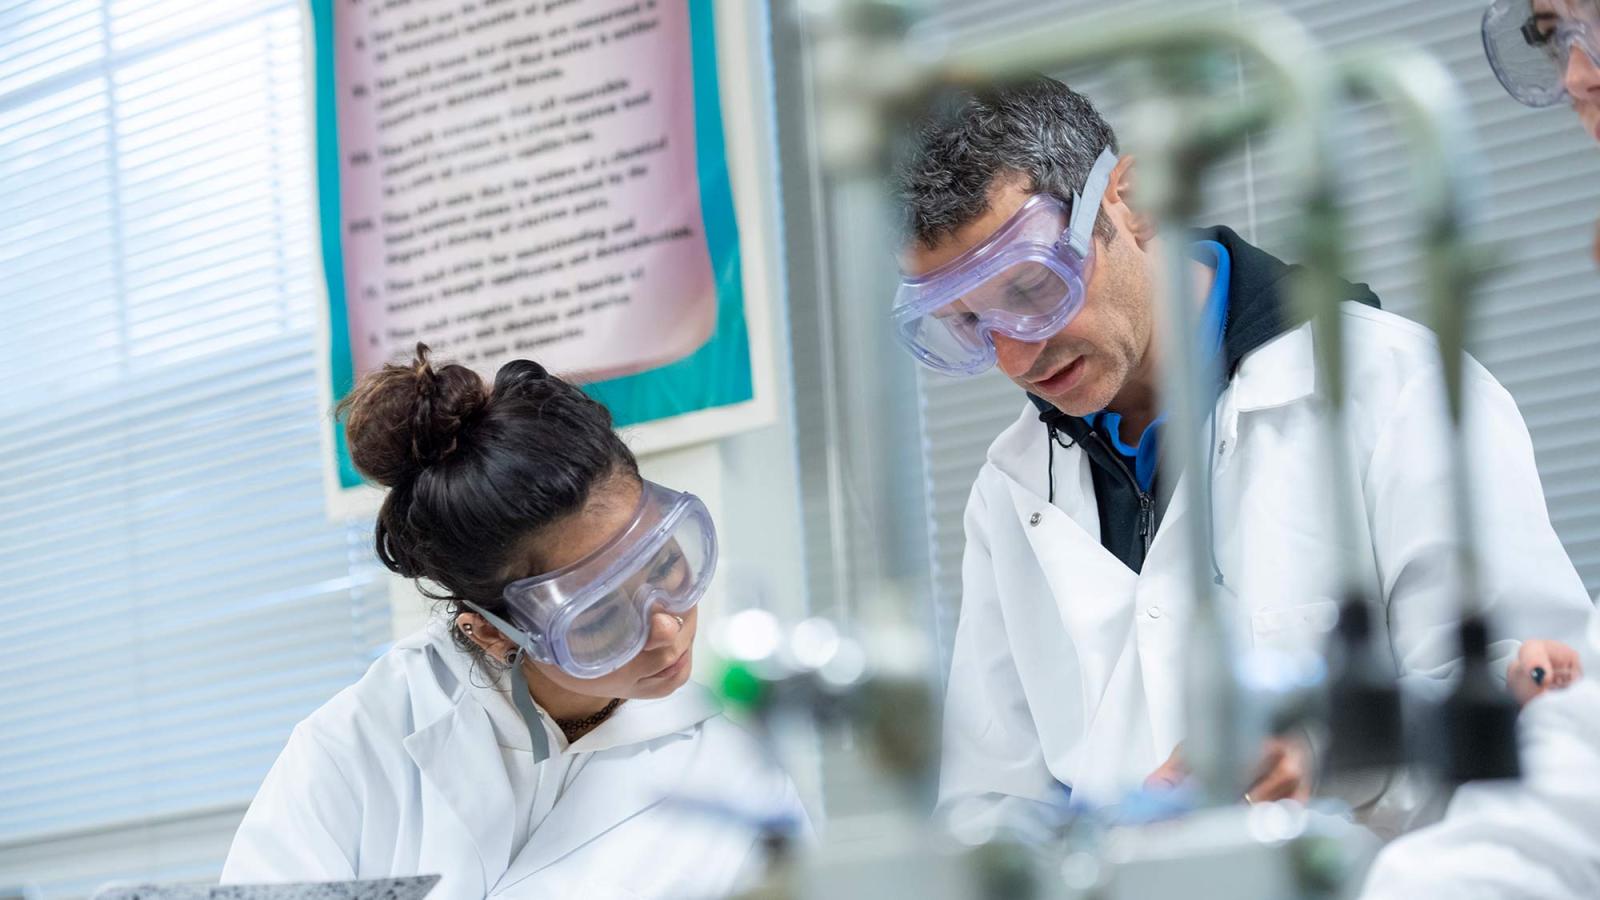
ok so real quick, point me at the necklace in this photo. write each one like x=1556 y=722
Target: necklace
x=570 y=727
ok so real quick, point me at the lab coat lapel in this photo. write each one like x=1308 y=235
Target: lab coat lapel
x=639 y=757
x=1164 y=584
x=1280 y=372
x=459 y=756
x=1084 y=577
x=611 y=789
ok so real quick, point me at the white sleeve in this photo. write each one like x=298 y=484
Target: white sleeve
x=304 y=823
x=993 y=769
x=1529 y=584
x=1537 y=838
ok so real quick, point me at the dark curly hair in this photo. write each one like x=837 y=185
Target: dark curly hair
x=474 y=471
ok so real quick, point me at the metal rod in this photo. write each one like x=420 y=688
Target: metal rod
x=1431 y=112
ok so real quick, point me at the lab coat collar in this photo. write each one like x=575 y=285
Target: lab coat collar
x=459 y=679
x=459 y=756
x=644 y=720
x=611 y=789
x=1021 y=454
x=1279 y=372
x=459 y=753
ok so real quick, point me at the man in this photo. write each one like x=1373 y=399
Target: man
x=1067 y=660
x=1538 y=837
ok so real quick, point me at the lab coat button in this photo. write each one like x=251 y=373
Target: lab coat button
x=1153 y=612
x=1034 y=519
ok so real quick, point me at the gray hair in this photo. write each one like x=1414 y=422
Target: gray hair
x=1038 y=128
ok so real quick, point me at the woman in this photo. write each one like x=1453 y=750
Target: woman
x=1538 y=837
x=1546 y=53
x=540 y=740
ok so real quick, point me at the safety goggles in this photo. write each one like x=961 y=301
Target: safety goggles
x=1529 y=44
x=1026 y=281
x=593 y=616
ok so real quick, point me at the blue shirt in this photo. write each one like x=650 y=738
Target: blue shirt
x=1142 y=456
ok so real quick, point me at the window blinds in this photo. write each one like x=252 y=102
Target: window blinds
x=177 y=599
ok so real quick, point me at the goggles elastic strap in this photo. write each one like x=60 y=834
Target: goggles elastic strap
x=1081 y=224
x=523 y=698
x=516 y=635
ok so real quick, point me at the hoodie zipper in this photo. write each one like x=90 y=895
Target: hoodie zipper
x=1147 y=503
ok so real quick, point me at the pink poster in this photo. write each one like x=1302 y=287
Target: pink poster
x=520 y=180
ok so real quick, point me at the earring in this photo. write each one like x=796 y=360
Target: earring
x=679 y=620
x=465 y=628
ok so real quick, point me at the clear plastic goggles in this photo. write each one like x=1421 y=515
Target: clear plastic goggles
x=1026 y=281
x=1530 y=44
x=593 y=616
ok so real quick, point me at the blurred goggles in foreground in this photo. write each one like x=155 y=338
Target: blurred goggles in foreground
x=592 y=617
x=1026 y=282
x=1530 y=45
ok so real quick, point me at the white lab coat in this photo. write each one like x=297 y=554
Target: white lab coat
x=1533 y=839
x=1066 y=667
x=424 y=767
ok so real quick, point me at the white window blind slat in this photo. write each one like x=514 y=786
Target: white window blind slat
x=122 y=716
x=109 y=542
x=60 y=113
x=159 y=232
x=191 y=714
x=223 y=248
x=26 y=15
x=63 y=28
x=169 y=112
x=133 y=27
x=74 y=864
x=55 y=156
x=66 y=218
x=152 y=447
x=266 y=41
x=55 y=58
x=292 y=572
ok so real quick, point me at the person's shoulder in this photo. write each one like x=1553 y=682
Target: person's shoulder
x=381 y=705
x=1387 y=352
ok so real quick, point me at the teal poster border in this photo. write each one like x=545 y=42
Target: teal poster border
x=717 y=374
x=341 y=368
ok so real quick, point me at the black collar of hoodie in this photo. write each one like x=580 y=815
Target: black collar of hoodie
x=1258 y=311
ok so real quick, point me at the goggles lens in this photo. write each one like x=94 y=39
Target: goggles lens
x=1530 y=44
x=1025 y=281
x=592 y=617
x=617 y=625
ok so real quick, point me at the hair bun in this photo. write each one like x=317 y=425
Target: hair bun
x=519 y=377
x=400 y=420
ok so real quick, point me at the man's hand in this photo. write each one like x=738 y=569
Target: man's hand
x=1284 y=772
x=1540 y=666
x=1169 y=774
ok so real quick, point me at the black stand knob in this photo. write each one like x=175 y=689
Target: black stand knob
x=1366 y=729
x=1477 y=735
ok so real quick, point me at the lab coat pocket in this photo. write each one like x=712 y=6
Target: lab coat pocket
x=1295 y=628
